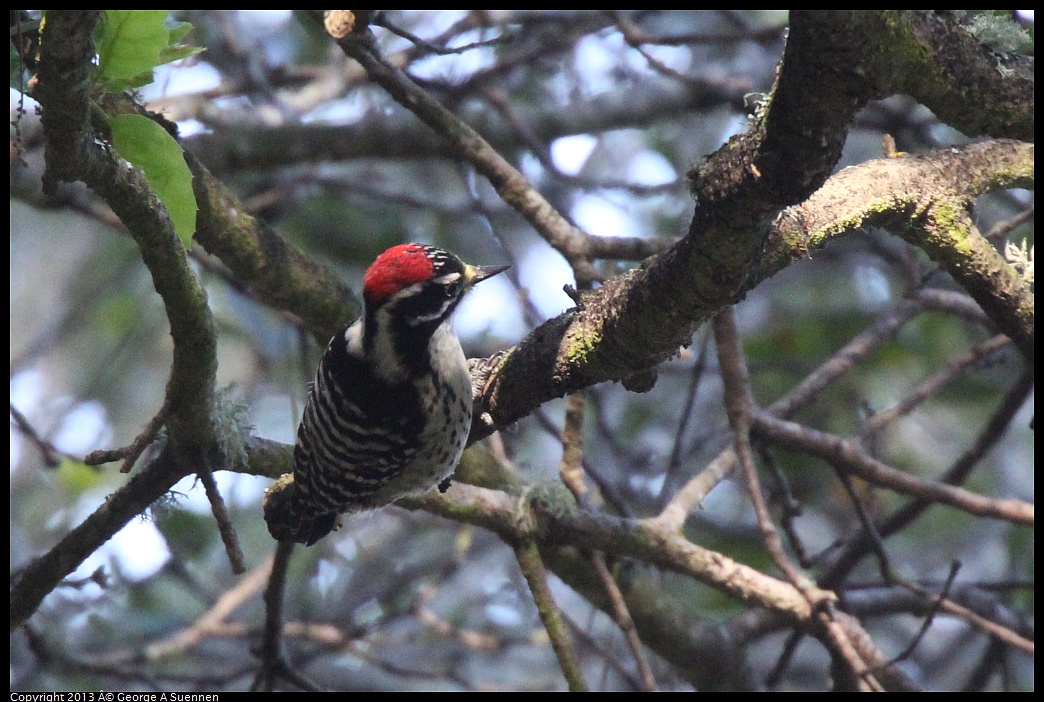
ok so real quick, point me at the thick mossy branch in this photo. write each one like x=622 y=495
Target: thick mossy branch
x=924 y=199
x=272 y=268
x=73 y=153
x=735 y=240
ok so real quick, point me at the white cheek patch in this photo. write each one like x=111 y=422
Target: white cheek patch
x=421 y=319
x=353 y=338
x=448 y=302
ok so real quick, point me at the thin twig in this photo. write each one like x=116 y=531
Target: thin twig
x=848 y=455
x=622 y=615
x=998 y=631
x=955 y=367
x=208 y=623
x=512 y=186
x=930 y=617
x=1001 y=229
x=738 y=405
x=571 y=472
x=273 y=658
x=675 y=461
x=571 y=469
x=828 y=373
x=528 y=555
x=425 y=48
x=47 y=449
x=225 y=528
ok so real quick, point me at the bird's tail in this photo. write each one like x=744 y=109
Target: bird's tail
x=287 y=522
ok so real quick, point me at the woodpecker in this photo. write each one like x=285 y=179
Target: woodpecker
x=389 y=411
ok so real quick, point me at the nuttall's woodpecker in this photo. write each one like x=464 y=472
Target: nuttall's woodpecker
x=389 y=412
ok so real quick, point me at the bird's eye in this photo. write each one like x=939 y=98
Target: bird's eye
x=453 y=289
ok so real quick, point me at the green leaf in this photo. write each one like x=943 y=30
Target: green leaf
x=178 y=31
x=133 y=42
x=175 y=52
x=150 y=148
x=129 y=47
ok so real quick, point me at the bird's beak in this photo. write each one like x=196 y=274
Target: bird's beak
x=476 y=274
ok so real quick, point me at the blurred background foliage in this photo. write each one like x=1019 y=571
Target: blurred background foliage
x=606 y=130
